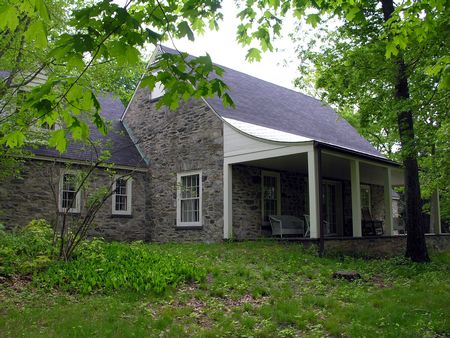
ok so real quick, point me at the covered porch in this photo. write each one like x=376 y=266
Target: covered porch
x=278 y=178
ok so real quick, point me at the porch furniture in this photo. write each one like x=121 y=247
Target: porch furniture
x=307 y=225
x=370 y=227
x=399 y=226
x=286 y=225
x=326 y=223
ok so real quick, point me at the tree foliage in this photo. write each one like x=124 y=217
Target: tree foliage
x=75 y=53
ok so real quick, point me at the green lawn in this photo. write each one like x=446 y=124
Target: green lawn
x=258 y=289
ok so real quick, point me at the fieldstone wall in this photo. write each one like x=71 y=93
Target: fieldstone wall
x=247 y=212
x=30 y=197
x=189 y=138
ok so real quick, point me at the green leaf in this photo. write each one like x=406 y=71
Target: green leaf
x=352 y=13
x=41 y=7
x=58 y=140
x=391 y=49
x=80 y=131
x=99 y=123
x=400 y=41
x=14 y=139
x=75 y=93
x=9 y=18
x=132 y=55
x=313 y=19
x=36 y=32
x=184 y=29
x=149 y=82
x=75 y=61
x=253 y=54
x=227 y=101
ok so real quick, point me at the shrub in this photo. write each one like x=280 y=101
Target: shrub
x=96 y=265
x=27 y=251
x=111 y=266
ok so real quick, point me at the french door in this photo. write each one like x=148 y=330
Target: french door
x=332 y=207
x=271 y=196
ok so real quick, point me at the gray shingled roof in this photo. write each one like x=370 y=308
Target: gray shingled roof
x=266 y=104
x=117 y=141
x=4 y=74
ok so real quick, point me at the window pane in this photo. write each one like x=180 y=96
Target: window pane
x=270 y=196
x=190 y=198
x=121 y=202
x=121 y=195
x=69 y=191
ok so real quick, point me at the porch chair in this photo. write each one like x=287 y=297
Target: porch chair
x=370 y=227
x=326 y=223
x=307 y=225
x=286 y=225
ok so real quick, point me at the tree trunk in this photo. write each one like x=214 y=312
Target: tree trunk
x=416 y=247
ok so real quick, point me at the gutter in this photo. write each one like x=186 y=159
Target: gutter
x=80 y=162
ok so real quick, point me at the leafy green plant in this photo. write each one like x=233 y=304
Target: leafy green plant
x=98 y=265
x=27 y=251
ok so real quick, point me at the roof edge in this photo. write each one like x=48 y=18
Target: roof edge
x=360 y=154
x=81 y=162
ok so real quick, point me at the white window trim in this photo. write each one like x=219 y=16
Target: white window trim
x=129 y=195
x=200 y=216
x=278 y=180
x=366 y=186
x=76 y=209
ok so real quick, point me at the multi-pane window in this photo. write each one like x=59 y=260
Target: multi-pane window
x=69 y=198
x=121 y=201
x=270 y=195
x=365 y=197
x=189 y=204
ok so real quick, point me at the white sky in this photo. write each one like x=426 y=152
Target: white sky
x=224 y=50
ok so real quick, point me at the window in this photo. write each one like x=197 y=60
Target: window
x=68 y=196
x=189 y=201
x=365 y=197
x=121 y=199
x=271 y=201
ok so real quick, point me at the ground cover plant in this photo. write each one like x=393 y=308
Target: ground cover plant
x=258 y=289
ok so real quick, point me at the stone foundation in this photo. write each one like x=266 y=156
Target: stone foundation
x=377 y=246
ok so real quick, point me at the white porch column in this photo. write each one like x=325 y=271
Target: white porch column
x=227 y=201
x=314 y=198
x=356 y=198
x=388 y=218
x=435 y=217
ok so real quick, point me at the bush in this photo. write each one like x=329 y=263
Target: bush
x=112 y=266
x=96 y=265
x=27 y=251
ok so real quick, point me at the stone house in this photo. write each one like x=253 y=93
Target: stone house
x=207 y=173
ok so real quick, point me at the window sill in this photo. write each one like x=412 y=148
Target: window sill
x=121 y=216
x=72 y=213
x=188 y=227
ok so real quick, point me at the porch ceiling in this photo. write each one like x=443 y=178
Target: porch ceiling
x=295 y=163
x=333 y=167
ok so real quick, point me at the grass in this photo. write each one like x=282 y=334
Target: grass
x=253 y=289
